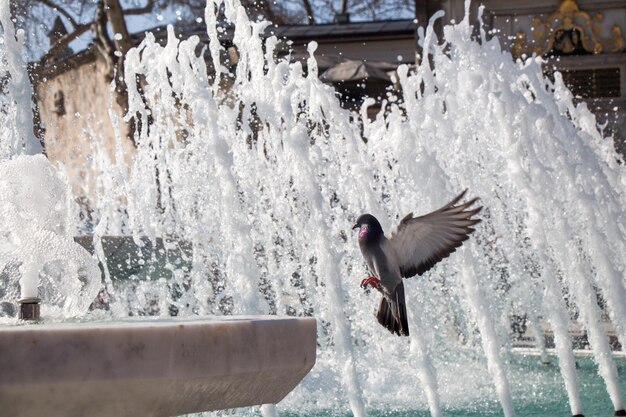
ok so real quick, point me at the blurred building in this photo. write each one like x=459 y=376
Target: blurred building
x=583 y=39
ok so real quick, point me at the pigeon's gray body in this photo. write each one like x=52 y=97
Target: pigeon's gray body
x=414 y=247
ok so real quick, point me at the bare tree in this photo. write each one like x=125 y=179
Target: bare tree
x=104 y=23
x=74 y=19
x=80 y=16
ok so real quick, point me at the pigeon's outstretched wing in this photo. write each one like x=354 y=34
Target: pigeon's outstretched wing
x=421 y=242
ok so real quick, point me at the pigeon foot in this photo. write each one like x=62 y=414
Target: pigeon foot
x=373 y=281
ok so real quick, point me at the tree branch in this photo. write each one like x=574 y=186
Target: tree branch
x=310 y=20
x=115 y=15
x=344 y=6
x=65 y=40
x=101 y=40
x=61 y=10
x=141 y=10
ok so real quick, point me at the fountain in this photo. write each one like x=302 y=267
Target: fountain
x=263 y=181
x=110 y=368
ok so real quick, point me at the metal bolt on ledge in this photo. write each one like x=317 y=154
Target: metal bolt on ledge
x=29 y=309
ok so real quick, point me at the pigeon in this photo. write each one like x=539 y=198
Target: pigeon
x=413 y=248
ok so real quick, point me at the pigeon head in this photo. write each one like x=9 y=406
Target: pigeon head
x=369 y=227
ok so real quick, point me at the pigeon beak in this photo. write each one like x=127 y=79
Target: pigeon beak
x=356 y=226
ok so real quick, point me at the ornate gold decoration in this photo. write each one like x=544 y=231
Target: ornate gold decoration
x=568 y=30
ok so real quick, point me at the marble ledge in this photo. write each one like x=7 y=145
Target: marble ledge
x=152 y=367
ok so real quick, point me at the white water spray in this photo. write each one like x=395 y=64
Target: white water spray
x=264 y=179
x=20 y=139
x=299 y=171
x=36 y=227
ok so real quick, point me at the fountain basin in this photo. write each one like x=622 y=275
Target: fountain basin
x=152 y=367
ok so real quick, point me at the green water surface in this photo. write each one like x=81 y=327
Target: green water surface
x=537 y=389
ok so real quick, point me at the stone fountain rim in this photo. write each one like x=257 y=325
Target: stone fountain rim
x=143 y=321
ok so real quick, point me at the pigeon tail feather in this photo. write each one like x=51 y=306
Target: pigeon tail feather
x=392 y=315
